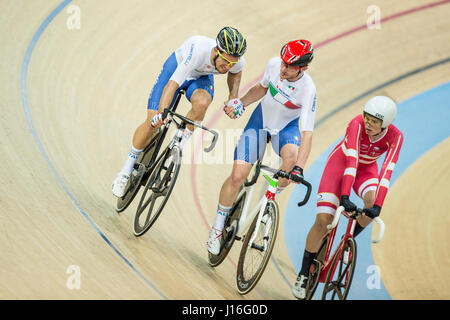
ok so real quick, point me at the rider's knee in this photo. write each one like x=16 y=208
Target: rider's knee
x=289 y=156
x=369 y=199
x=200 y=101
x=289 y=161
x=237 y=178
x=322 y=221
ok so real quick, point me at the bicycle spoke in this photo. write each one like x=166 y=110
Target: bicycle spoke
x=145 y=205
x=337 y=290
x=340 y=286
x=150 y=210
x=342 y=274
x=160 y=186
x=253 y=258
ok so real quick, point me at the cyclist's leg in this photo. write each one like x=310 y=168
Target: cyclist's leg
x=286 y=145
x=144 y=132
x=365 y=186
x=327 y=203
x=200 y=93
x=249 y=149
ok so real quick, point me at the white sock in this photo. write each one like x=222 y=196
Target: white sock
x=186 y=135
x=222 y=213
x=131 y=160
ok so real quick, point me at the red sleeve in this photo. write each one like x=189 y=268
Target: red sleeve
x=351 y=151
x=388 y=166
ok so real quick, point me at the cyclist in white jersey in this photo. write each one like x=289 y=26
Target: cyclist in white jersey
x=288 y=97
x=190 y=67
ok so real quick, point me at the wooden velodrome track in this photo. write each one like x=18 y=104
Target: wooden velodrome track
x=71 y=99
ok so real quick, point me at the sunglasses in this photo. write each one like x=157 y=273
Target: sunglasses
x=230 y=63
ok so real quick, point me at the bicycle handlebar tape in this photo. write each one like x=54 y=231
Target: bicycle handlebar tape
x=308 y=193
x=165 y=113
x=255 y=177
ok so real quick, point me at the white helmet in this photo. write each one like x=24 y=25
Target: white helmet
x=382 y=108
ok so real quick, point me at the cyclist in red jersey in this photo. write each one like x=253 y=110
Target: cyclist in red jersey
x=353 y=163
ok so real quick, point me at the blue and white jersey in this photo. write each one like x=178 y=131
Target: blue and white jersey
x=194 y=60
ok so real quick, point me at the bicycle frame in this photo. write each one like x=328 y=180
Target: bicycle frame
x=330 y=235
x=271 y=175
x=165 y=128
x=246 y=217
x=176 y=139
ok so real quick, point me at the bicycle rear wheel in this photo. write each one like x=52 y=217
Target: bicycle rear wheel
x=253 y=260
x=338 y=282
x=138 y=176
x=157 y=190
x=229 y=232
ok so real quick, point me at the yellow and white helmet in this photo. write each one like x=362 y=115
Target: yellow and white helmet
x=231 y=41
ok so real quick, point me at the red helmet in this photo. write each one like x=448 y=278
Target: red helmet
x=297 y=53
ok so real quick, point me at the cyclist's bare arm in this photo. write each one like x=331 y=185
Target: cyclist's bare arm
x=234 y=81
x=167 y=95
x=254 y=94
x=164 y=102
x=305 y=148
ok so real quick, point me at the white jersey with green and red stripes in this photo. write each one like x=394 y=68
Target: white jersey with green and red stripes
x=286 y=100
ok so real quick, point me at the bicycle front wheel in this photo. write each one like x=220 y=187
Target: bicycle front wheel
x=340 y=275
x=253 y=259
x=157 y=190
x=138 y=176
x=229 y=232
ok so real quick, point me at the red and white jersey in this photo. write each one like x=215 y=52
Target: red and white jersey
x=359 y=150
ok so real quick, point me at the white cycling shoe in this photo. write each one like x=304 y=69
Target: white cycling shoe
x=119 y=184
x=299 y=288
x=213 y=243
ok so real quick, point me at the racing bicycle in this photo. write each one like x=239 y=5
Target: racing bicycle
x=157 y=169
x=256 y=228
x=336 y=269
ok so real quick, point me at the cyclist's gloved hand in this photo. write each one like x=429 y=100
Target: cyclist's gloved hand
x=372 y=212
x=157 y=120
x=238 y=106
x=296 y=174
x=347 y=204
